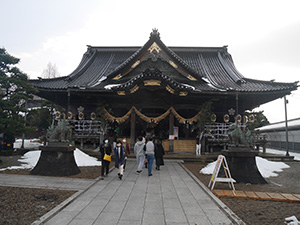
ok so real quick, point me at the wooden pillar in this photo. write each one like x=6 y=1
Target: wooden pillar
x=171 y=132
x=237 y=103
x=81 y=143
x=68 y=104
x=132 y=131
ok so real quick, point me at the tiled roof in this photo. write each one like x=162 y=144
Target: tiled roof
x=213 y=68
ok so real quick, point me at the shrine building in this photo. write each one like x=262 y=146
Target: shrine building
x=155 y=89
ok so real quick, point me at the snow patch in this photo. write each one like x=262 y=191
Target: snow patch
x=266 y=168
x=110 y=86
x=30 y=159
x=100 y=80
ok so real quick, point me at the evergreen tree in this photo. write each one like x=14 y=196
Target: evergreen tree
x=15 y=90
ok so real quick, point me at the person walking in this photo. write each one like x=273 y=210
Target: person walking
x=150 y=155
x=127 y=150
x=159 y=152
x=198 y=144
x=120 y=158
x=139 y=153
x=105 y=149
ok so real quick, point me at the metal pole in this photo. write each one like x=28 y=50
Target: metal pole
x=25 y=122
x=286 y=128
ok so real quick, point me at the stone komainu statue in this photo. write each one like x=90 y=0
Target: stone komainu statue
x=59 y=133
x=238 y=138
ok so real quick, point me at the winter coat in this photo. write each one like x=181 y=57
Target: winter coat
x=127 y=148
x=105 y=149
x=149 y=148
x=120 y=159
x=159 y=150
x=139 y=148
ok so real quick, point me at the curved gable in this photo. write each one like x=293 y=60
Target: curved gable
x=154 y=49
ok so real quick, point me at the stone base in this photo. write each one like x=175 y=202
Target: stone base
x=242 y=165
x=56 y=161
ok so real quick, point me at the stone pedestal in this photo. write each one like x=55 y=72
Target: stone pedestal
x=242 y=165
x=57 y=159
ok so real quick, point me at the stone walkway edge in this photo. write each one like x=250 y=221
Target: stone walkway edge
x=231 y=215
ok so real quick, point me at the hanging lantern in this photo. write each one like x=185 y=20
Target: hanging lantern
x=58 y=115
x=70 y=115
x=80 y=116
x=226 y=118
x=238 y=118
x=251 y=118
x=93 y=116
x=213 y=118
x=245 y=119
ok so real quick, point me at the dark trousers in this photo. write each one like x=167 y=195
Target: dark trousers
x=105 y=167
x=124 y=164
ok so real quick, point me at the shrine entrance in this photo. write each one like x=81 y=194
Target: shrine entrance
x=154 y=122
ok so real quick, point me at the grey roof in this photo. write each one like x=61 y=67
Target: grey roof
x=212 y=66
x=293 y=124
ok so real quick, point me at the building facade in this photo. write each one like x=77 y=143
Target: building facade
x=157 y=89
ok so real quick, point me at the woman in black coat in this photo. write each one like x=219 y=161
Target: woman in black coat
x=159 y=154
x=105 y=149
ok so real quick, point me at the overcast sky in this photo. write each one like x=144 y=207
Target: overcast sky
x=262 y=36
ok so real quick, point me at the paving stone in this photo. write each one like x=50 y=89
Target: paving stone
x=175 y=215
x=171 y=203
x=80 y=221
x=130 y=222
x=115 y=206
x=63 y=217
x=169 y=197
x=108 y=218
x=153 y=219
x=132 y=213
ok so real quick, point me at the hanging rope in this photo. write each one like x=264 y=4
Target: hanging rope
x=184 y=120
x=147 y=119
x=112 y=118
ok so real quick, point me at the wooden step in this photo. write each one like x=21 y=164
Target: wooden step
x=181 y=145
x=264 y=196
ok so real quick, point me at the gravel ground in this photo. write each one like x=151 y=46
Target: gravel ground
x=24 y=206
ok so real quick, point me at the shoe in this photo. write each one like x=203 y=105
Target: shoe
x=138 y=171
x=150 y=174
x=120 y=177
x=101 y=178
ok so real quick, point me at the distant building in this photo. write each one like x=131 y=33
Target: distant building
x=276 y=135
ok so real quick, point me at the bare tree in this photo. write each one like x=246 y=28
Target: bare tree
x=51 y=71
